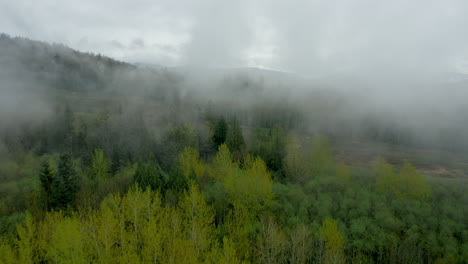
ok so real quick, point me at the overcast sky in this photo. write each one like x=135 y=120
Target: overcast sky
x=306 y=37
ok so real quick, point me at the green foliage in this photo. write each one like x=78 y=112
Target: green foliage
x=46 y=178
x=251 y=187
x=192 y=167
x=270 y=145
x=174 y=142
x=334 y=242
x=343 y=174
x=296 y=165
x=99 y=165
x=65 y=185
x=149 y=175
x=220 y=130
x=322 y=163
x=234 y=138
x=222 y=165
x=407 y=183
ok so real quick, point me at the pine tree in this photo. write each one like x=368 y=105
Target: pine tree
x=149 y=174
x=234 y=137
x=46 y=178
x=219 y=132
x=65 y=184
x=116 y=161
x=99 y=164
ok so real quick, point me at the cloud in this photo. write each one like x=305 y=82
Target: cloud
x=316 y=38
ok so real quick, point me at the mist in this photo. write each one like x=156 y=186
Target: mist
x=400 y=62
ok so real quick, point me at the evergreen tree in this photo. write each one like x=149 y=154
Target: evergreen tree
x=149 y=174
x=234 y=137
x=219 y=132
x=65 y=184
x=46 y=178
x=270 y=145
x=99 y=164
x=116 y=161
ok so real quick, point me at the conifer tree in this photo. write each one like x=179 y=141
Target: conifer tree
x=65 y=184
x=219 y=132
x=46 y=178
x=234 y=137
x=149 y=174
x=99 y=164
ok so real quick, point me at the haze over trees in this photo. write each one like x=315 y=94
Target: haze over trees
x=107 y=162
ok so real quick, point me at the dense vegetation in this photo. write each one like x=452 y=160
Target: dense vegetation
x=128 y=165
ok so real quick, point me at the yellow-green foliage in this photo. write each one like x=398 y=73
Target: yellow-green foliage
x=99 y=164
x=6 y=252
x=134 y=228
x=191 y=164
x=322 y=163
x=222 y=165
x=413 y=183
x=238 y=225
x=334 y=242
x=68 y=243
x=406 y=183
x=343 y=174
x=295 y=160
x=251 y=186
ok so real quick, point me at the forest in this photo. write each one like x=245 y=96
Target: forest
x=103 y=161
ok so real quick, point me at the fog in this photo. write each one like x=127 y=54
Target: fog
x=313 y=38
x=404 y=63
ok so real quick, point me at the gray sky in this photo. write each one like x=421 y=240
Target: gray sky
x=307 y=37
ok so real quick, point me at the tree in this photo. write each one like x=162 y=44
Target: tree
x=234 y=138
x=116 y=161
x=407 y=183
x=46 y=178
x=219 y=132
x=251 y=187
x=300 y=238
x=67 y=243
x=322 y=159
x=65 y=184
x=222 y=165
x=295 y=162
x=198 y=219
x=333 y=241
x=343 y=174
x=412 y=183
x=270 y=145
x=272 y=243
x=175 y=141
x=149 y=174
x=99 y=165
x=189 y=160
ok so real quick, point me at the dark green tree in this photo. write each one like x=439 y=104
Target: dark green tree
x=234 y=137
x=46 y=177
x=65 y=184
x=149 y=174
x=219 y=132
x=270 y=145
x=116 y=161
x=176 y=180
